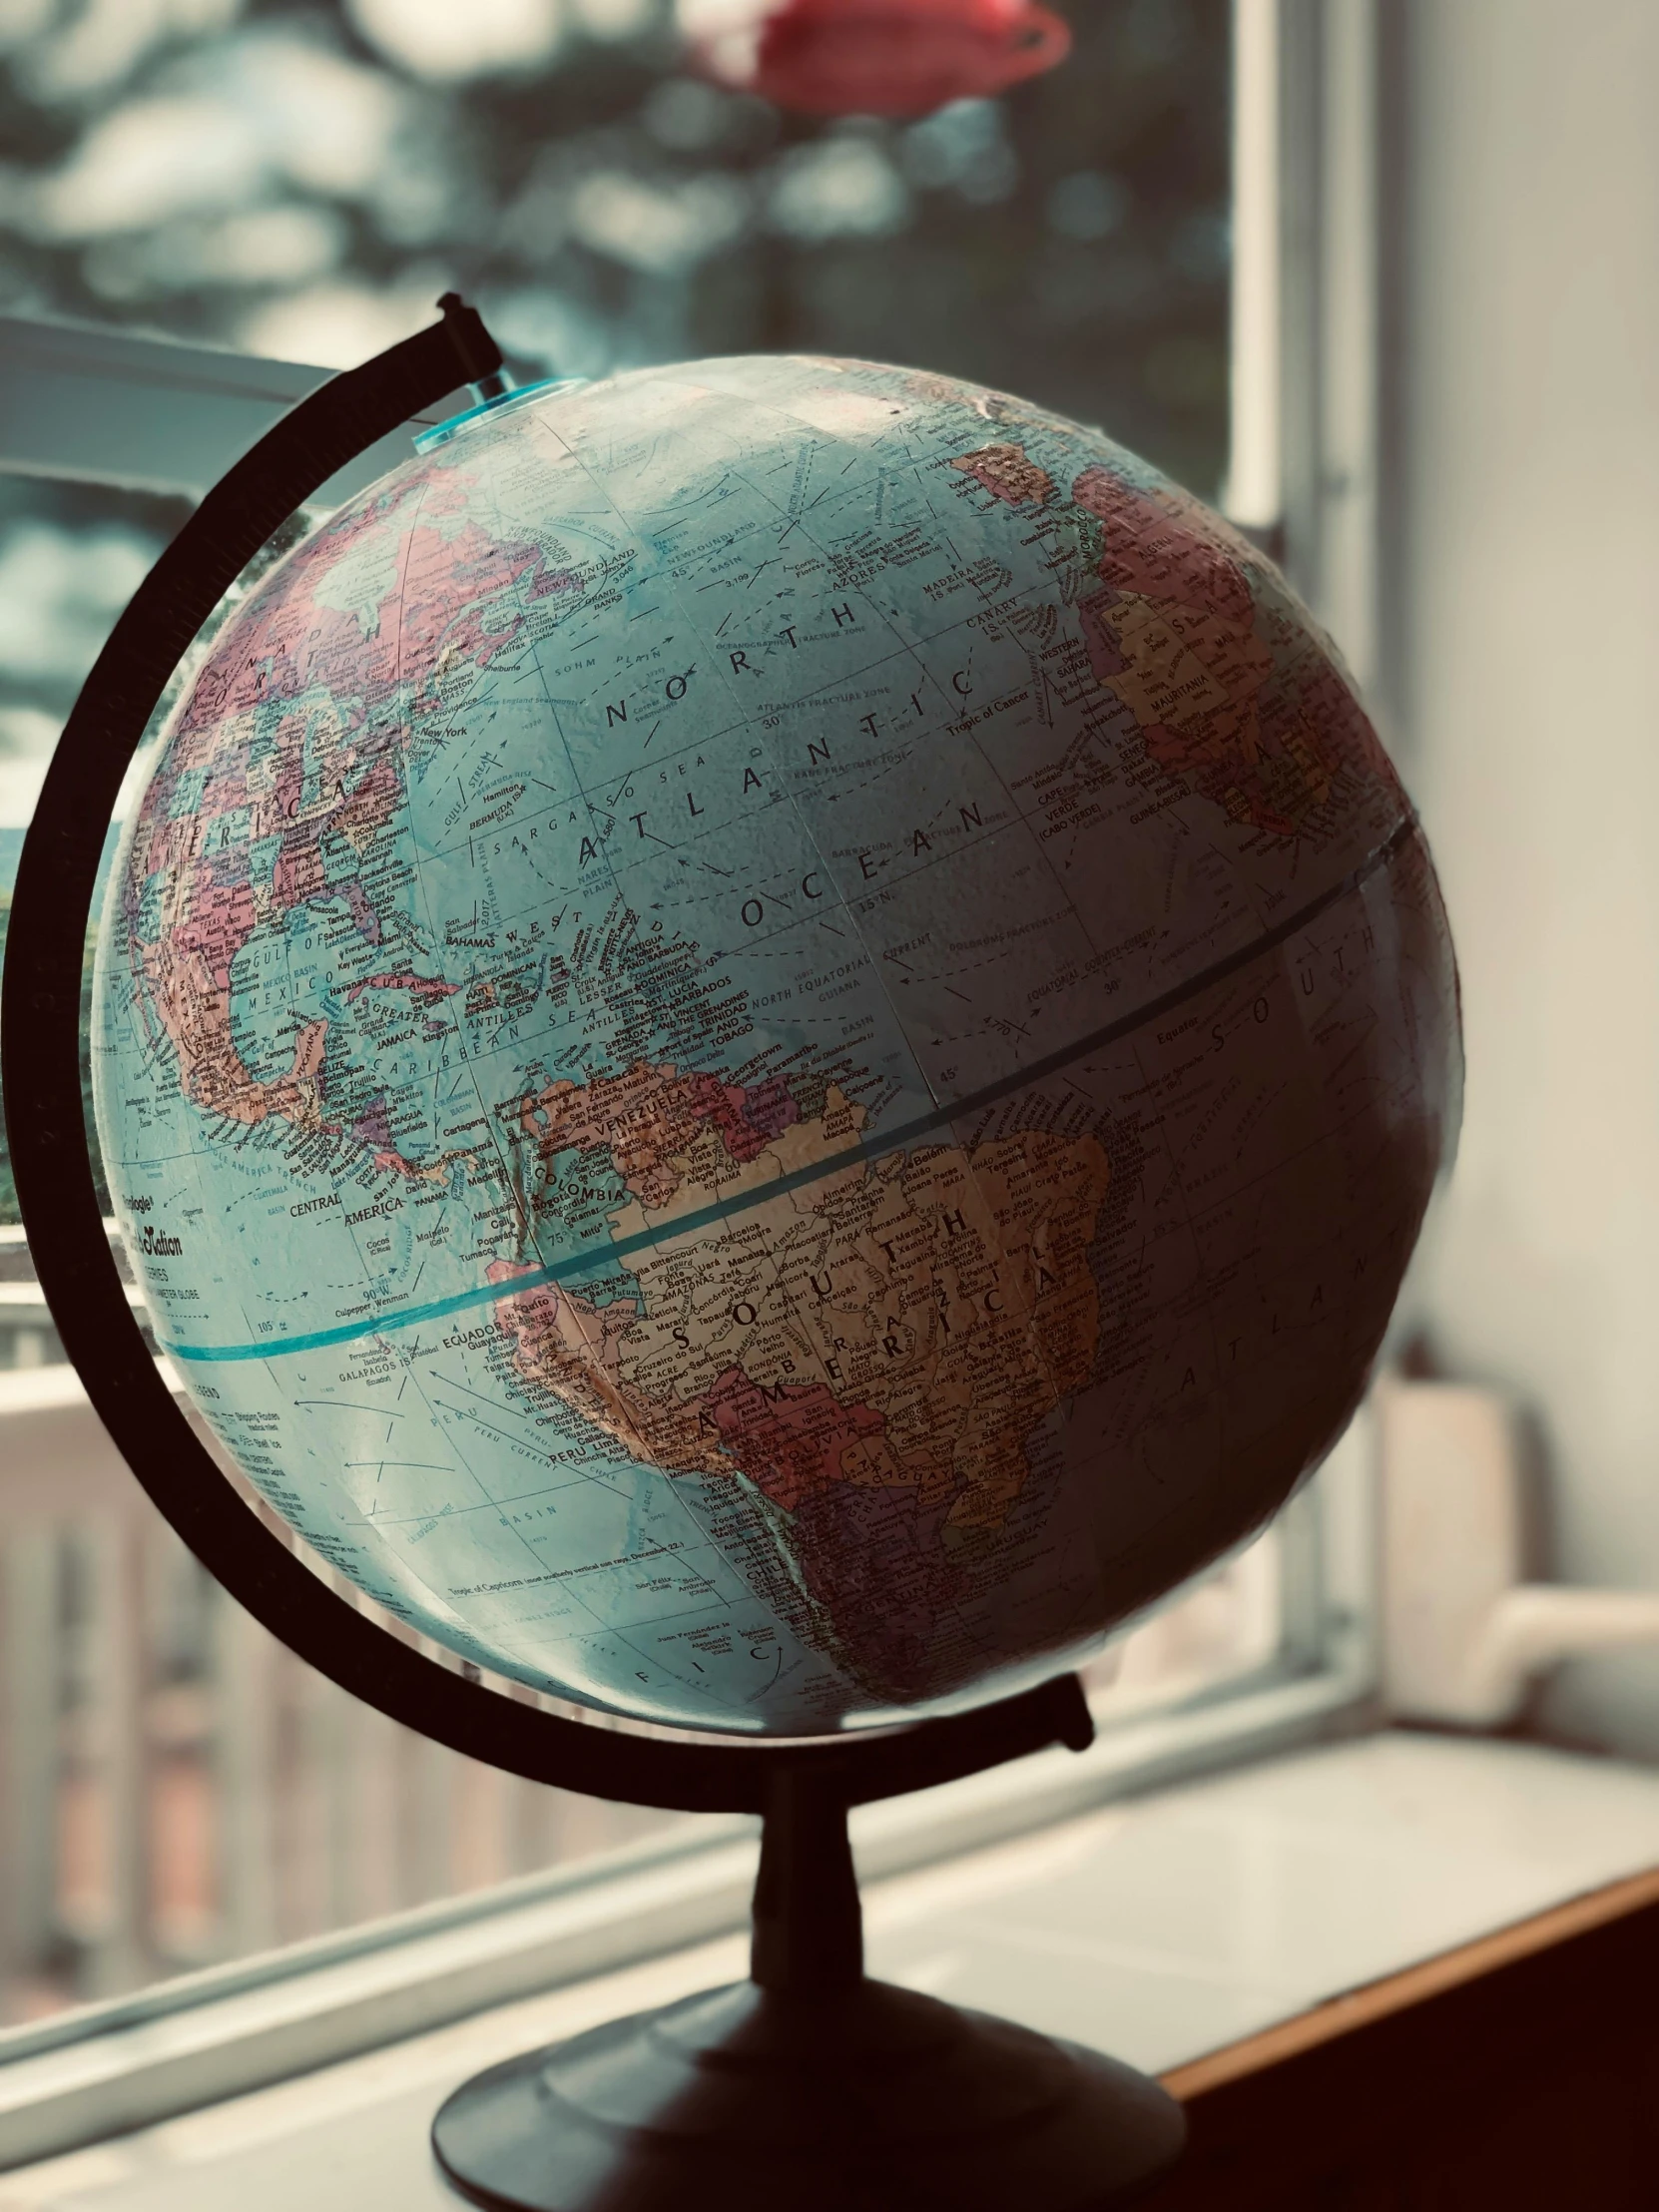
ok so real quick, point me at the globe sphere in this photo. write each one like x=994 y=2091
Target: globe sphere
x=771 y=1037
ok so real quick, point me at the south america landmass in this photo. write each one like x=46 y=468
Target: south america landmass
x=869 y=1351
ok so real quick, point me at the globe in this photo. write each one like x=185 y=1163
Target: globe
x=769 y=1037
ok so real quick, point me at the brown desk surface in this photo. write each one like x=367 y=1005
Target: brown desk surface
x=1519 y=2072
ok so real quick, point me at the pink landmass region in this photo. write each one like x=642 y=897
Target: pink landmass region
x=418 y=987
x=790 y=1442
x=548 y=580
x=298 y=723
x=362 y=910
x=864 y=1538
x=1174 y=633
x=747 y=1119
x=1009 y=473
x=649 y=1117
x=189 y=974
x=289 y=641
x=297 y=875
x=1152 y=547
x=373 y=1130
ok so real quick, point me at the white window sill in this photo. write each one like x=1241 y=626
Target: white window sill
x=1160 y=1931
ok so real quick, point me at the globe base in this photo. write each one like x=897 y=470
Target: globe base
x=807 y=2087
x=857 y=2099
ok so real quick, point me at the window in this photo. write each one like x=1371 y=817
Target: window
x=180 y=1791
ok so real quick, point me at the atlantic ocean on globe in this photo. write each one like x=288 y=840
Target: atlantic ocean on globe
x=771 y=1037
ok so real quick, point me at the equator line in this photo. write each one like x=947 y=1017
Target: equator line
x=601 y=1261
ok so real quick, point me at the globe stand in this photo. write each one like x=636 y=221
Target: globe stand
x=807 y=2081
x=809 y=2085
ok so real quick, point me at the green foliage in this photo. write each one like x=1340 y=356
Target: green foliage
x=1067 y=242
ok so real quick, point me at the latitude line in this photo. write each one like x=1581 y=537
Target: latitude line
x=604 y=1260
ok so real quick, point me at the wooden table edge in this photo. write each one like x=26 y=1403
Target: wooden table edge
x=1396 y=1993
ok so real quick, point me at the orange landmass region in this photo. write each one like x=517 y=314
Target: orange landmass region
x=566 y=1346
x=948 y=1292
x=650 y=1117
x=793 y=1441
x=898 y=1329
x=1174 y=634
x=1157 y=548
x=1009 y=473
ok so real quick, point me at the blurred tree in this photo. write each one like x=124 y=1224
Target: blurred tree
x=302 y=179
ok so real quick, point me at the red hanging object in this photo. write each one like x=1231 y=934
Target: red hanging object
x=897 y=58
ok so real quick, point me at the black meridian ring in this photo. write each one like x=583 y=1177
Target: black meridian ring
x=40 y=1052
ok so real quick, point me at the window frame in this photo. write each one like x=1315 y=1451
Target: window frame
x=105 y=406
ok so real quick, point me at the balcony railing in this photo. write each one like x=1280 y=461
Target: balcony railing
x=177 y=1789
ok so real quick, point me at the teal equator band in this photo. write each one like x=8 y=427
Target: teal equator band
x=600 y=1262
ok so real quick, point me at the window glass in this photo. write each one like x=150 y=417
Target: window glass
x=301 y=182
x=71 y=556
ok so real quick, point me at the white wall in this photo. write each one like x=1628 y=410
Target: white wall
x=1530 y=627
